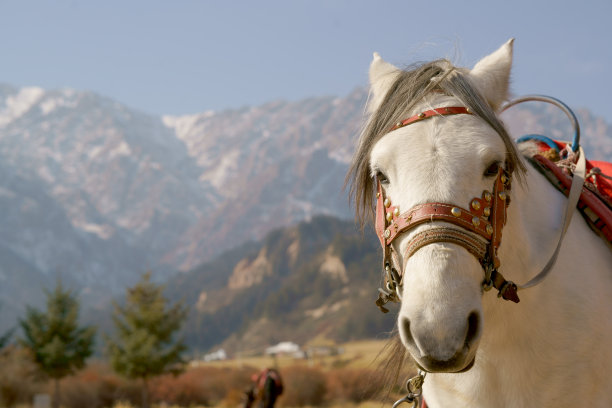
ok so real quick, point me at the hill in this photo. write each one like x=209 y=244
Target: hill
x=317 y=279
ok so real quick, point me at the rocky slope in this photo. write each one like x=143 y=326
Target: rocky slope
x=315 y=280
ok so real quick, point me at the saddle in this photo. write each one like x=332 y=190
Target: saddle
x=555 y=160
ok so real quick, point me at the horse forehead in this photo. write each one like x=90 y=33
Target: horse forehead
x=445 y=142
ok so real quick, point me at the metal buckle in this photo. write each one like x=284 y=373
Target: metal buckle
x=414 y=386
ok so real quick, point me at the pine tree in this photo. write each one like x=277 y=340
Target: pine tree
x=59 y=346
x=144 y=346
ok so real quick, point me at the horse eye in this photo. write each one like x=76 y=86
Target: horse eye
x=492 y=170
x=382 y=178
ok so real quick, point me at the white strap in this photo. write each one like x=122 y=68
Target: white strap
x=572 y=201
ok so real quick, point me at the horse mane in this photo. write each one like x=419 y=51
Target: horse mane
x=409 y=88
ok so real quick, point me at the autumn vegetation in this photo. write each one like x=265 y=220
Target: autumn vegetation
x=49 y=352
x=97 y=386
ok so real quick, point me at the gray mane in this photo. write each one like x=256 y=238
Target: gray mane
x=410 y=87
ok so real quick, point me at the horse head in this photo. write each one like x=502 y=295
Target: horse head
x=450 y=158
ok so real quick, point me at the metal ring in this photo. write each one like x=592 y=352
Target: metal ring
x=487 y=285
x=408 y=399
x=417 y=382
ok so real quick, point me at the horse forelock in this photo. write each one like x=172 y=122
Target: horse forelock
x=411 y=87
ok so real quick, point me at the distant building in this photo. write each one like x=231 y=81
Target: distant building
x=284 y=347
x=323 y=351
x=214 y=356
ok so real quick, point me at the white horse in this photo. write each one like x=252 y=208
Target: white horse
x=554 y=347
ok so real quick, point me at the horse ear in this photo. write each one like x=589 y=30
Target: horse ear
x=491 y=75
x=382 y=75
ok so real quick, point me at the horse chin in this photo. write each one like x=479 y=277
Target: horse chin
x=459 y=363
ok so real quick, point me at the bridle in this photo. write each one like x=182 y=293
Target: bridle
x=480 y=226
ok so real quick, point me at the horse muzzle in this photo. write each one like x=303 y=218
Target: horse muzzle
x=450 y=348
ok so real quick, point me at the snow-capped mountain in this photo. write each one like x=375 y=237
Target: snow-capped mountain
x=90 y=188
x=269 y=166
x=98 y=192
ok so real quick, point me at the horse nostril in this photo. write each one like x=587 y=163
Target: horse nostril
x=473 y=328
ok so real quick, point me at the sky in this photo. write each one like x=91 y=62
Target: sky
x=184 y=57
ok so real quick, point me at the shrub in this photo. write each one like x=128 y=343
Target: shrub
x=97 y=387
x=19 y=376
x=201 y=386
x=234 y=398
x=185 y=390
x=114 y=388
x=77 y=393
x=303 y=386
x=354 y=385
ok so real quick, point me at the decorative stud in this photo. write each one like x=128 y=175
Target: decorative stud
x=377 y=195
x=387 y=202
x=468 y=110
x=389 y=216
x=476 y=221
x=476 y=204
x=398 y=124
x=489 y=229
x=504 y=179
x=387 y=233
x=421 y=115
x=487 y=196
x=502 y=195
x=396 y=211
x=456 y=211
x=487 y=211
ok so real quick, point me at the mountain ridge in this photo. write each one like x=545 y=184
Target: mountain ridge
x=303 y=282
x=97 y=192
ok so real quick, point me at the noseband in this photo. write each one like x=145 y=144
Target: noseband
x=479 y=232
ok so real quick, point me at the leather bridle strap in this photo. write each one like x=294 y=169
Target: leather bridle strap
x=573 y=197
x=451 y=110
x=479 y=232
x=475 y=246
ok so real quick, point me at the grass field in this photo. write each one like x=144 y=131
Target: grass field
x=357 y=354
